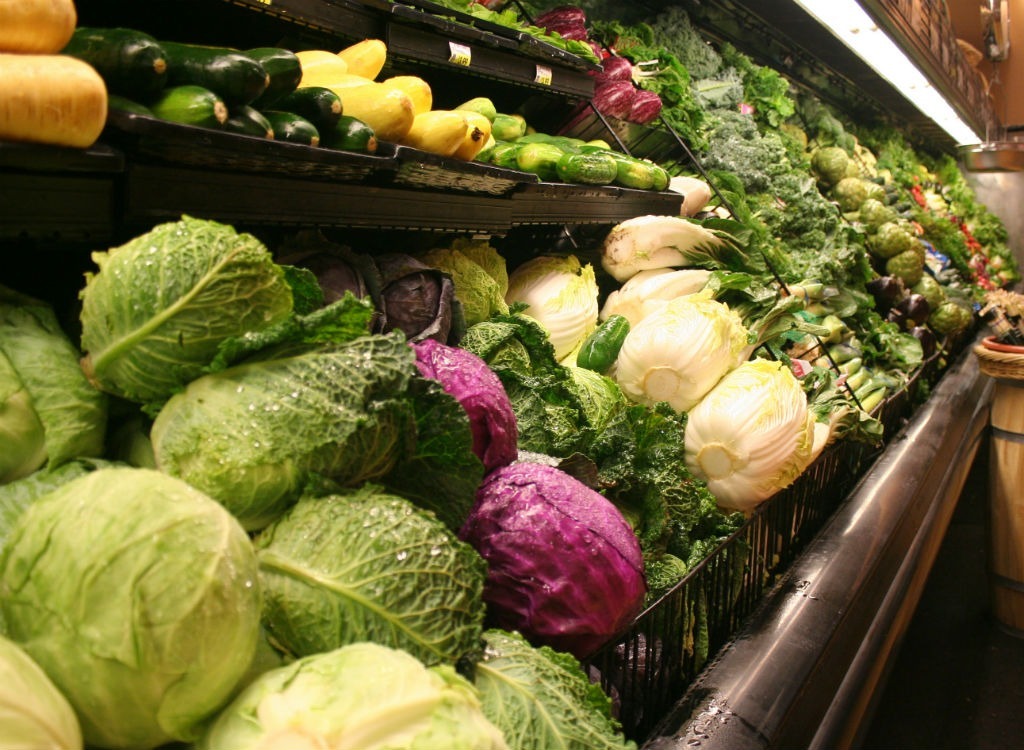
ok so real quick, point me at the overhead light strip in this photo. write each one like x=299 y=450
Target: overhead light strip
x=851 y=24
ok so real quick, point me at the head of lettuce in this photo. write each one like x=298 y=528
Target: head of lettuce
x=137 y=595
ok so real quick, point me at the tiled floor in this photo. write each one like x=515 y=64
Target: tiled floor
x=958 y=681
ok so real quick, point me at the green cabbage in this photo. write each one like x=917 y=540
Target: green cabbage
x=542 y=699
x=368 y=565
x=33 y=713
x=49 y=413
x=363 y=696
x=480 y=277
x=138 y=597
x=157 y=310
x=255 y=436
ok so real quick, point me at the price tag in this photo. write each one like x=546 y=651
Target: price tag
x=543 y=75
x=459 y=54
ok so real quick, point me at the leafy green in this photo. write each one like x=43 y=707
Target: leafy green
x=49 y=412
x=541 y=698
x=257 y=435
x=368 y=565
x=363 y=695
x=158 y=308
x=137 y=596
x=764 y=88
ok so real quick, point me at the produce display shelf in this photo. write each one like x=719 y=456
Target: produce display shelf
x=646 y=141
x=155 y=192
x=349 y=19
x=668 y=646
x=559 y=203
x=153 y=139
x=421 y=169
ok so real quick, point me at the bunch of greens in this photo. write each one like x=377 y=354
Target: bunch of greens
x=764 y=88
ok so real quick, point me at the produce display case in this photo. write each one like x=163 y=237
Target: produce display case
x=680 y=676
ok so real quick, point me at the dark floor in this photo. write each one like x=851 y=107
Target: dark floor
x=958 y=681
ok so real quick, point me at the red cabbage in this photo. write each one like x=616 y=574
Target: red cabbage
x=564 y=14
x=565 y=568
x=476 y=386
x=646 y=107
x=615 y=98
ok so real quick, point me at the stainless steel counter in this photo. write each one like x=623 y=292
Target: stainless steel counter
x=804 y=670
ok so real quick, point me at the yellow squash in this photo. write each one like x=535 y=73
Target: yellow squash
x=36 y=26
x=55 y=99
x=477 y=134
x=439 y=131
x=318 y=65
x=417 y=89
x=365 y=58
x=388 y=111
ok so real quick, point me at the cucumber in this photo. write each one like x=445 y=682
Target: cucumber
x=190 y=105
x=539 y=158
x=118 y=103
x=507 y=127
x=504 y=155
x=293 y=128
x=601 y=348
x=233 y=75
x=318 y=104
x=248 y=121
x=564 y=142
x=351 y=134
x=284 y=69
x=661 y=178
x=131 y=63
x=587 y=169
x=633 y=173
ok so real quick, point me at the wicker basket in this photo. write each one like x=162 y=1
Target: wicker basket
x=1005 y=364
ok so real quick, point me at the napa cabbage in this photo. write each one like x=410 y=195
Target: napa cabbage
x=649 y=290
x=680 y=351
x=751 y=435
x=363 y=696
x=559 y=293
x=33 y=713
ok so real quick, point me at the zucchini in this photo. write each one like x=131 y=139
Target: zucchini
x=190 y=105
x=131 y=63
x=318 y=104
x=233 y=75
x=293 y=128
x=248 y=120
x=118 y=103
x=587 y=169
x=283 y=68
x=601 y=348
x=539 y=158
x=351 y=134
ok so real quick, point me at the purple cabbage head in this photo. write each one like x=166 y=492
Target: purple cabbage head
x=565 y=568
x=476 y=386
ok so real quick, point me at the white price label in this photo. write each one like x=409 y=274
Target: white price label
x=543 y=75
x=459 y=54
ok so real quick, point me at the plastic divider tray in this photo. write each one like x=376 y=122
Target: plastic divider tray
x=562 y=203
x=416 y=168
x=346 y=17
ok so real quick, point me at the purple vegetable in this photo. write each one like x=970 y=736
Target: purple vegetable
x=577 y=32
x=928 y=341
x=646 y=107
x=415 y=298
x=565 y=568
x=476 y=386
x=613 y=69
x=563 y=14
x=615 y=98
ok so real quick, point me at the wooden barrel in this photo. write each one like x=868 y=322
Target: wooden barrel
x=1006 y=484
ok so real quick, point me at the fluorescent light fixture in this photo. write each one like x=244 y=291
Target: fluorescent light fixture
x=851 y=24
